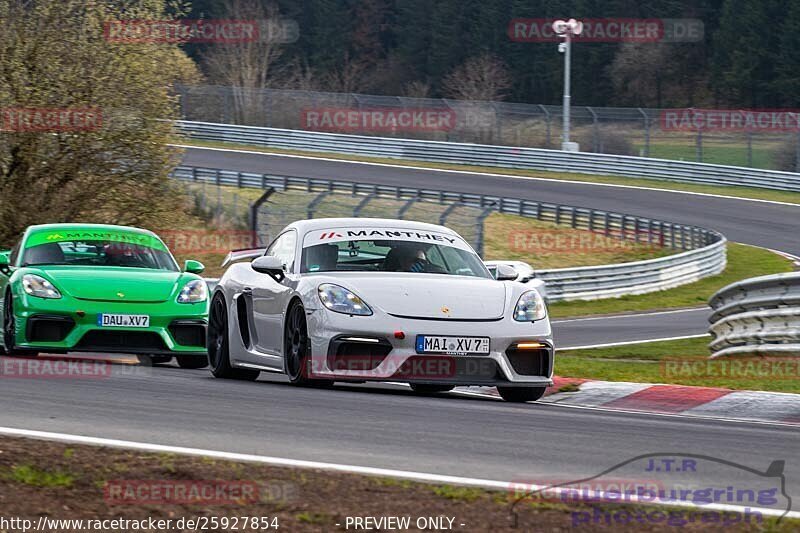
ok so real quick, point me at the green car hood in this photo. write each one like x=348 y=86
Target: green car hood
x=115 y=284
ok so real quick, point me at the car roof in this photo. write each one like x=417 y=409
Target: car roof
x=304 y=226
x=87 y=227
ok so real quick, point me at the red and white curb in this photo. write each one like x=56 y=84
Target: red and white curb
x=707 y=402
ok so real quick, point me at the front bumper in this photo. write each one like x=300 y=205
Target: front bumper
x=67 y=325
x=366 y=349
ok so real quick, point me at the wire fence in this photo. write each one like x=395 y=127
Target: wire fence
x=642 y=132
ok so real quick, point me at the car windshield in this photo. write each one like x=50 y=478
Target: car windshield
x=98 y=253
x=392 y=256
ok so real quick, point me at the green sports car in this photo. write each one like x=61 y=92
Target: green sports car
x=98 y=288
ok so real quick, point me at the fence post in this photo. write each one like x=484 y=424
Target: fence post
x=646 y=133
x=548 y=123
x=749 y=148
x=595 y=131
x=699 y=145
x=797 y=154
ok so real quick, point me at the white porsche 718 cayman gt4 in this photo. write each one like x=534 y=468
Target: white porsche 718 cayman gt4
x=355 y=300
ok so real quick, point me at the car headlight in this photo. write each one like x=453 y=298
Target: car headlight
x=39 y=287
x=530 y=307
x=195 y=291
x=341 y=300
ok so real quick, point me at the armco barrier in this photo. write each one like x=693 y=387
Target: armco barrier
x=757 y=316
x=703 y=250
x=493 y=156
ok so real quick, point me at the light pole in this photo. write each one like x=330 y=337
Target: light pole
x=566 y=29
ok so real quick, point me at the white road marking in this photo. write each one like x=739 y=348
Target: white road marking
x=475 y=173
x=626 y=343
x=365 y=470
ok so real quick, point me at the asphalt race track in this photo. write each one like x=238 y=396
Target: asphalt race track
x=386 y=425
x=771 y=225
x=381 y=426
x=572 y=333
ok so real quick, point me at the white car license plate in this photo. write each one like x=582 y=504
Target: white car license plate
x=452 y=345
x=123 y=321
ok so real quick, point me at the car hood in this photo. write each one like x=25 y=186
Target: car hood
x=429 y=296
x=134 y=285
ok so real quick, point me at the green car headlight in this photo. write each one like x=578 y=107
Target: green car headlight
x=341 y=300
x=195 y=291
x=39 y=287
x=530 y=307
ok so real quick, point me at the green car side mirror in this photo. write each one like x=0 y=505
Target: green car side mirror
x=5 y=259
x=194 y=267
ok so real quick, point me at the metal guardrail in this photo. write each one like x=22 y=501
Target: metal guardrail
x=494 y=156
x=757 y=316
x=703 y=251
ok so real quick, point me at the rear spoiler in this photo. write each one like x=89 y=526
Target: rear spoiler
x=240 y=255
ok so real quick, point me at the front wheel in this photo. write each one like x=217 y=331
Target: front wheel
x=521 y=394
x=430 y=389
x=10 y=330
x=297 y=349
x=217 y=344
x=191 y=361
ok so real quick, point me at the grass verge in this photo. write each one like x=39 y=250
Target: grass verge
x=680 y=362
x=292 y=499
x=743 y=262
x=734 y=191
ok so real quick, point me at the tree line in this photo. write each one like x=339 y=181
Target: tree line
x=747 y=55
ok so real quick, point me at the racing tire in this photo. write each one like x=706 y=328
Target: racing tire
x=9 y=329
x=191 y=361
x=150 y=360
x=297 y=349
x=521 y=394
x=430 y=389
x=218 y=348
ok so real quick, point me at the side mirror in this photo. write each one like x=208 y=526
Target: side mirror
x=194 y=267
x=5 y=259
x=270 y=265
x=506 y=273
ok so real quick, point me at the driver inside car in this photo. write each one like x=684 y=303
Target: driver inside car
x=407 y=259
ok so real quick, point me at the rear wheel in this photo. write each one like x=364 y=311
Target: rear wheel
x=191 y=361
x=430 y=389
x=521 y=394
x=217 y=344
x=297 y=349
x=10 y=329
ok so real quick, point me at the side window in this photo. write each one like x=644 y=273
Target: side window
x=284 y=248
x=14 y=254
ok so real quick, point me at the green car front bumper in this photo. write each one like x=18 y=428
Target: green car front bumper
x=71 y=325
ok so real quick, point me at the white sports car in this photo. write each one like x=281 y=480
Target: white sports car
x=356 y=299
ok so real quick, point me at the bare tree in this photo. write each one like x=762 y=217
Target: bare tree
x=480 y=78
x=348 y=78
x=246 y=67
x=417 y=89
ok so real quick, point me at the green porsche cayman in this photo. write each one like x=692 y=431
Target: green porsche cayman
x=98 y=288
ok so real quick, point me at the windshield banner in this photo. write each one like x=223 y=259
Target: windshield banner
x=128 y=237
x=333 y=235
